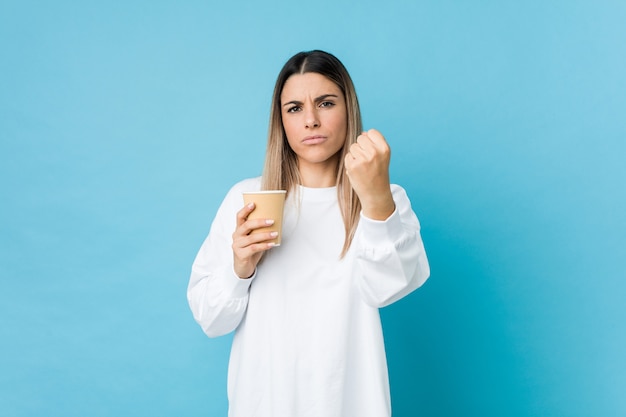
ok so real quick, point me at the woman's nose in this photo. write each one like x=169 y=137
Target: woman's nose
x=311 y=119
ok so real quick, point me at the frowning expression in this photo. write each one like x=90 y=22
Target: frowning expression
x=314 y=115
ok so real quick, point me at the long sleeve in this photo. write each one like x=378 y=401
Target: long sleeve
x=390 y=258
x=217 y=296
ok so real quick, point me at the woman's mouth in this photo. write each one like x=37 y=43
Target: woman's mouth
x=313 y=140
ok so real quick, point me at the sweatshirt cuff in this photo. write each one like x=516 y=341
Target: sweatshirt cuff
x=376 y=231
x=238 y=287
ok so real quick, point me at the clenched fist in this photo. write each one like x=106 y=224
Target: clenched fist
x=367 y=166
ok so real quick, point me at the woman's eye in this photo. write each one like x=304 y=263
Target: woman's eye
x=293 y=109
x=327 y=104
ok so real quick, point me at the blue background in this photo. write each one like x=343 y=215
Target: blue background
x=122 y=126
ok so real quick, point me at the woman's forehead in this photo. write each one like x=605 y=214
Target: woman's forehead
x=309 y=84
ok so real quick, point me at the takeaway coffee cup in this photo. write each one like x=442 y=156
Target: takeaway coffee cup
x=268 y=205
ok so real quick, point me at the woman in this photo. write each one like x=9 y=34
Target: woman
x=308 y=338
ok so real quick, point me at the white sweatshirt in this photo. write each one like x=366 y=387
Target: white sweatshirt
x=308 y=339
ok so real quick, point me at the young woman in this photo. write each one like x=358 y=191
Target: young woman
x=308 y=338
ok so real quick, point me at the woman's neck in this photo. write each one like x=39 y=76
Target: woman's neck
x=320 y=175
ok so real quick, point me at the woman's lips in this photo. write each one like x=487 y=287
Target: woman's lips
x=314 y=140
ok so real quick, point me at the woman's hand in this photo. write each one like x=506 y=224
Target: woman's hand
x=367 y=166
x=248 y=248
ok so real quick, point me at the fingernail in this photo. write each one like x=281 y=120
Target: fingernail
x=274 y=234
x=269 y=221
x=251 y=205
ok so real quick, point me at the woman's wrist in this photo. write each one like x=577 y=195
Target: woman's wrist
x=379 y=207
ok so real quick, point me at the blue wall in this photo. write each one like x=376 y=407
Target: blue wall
x=123 y=125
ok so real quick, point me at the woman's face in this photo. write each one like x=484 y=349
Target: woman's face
x=314 y=115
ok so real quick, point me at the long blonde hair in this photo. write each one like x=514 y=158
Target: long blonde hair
x=281 y=164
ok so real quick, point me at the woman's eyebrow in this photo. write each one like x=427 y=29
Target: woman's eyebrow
x=325 y=96
x=317 y=99
x=294 y=102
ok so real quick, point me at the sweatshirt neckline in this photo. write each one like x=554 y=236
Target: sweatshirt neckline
x=324 y=193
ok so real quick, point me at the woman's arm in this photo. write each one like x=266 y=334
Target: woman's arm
x=390 y=258
x=217 y=296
